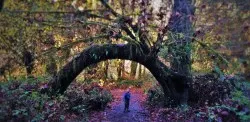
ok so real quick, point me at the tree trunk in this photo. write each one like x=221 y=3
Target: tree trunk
x=1 y=5
x=51 y=67
x=181 y=29
x=139 y=71
x=143 y=71
x=97 y=53
x=133 y=67
x=106 y=68
x=119 y=69
x=28 y=59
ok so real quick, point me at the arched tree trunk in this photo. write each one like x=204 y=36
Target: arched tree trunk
x=97 y=53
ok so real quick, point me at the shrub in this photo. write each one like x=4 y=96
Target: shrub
x=92 y=96
x=98 y=99
x=241 y=96
x=129 y=83
x=204 y=90
x=22 y=101
x=208 y=90
x=213 y=100
x=155 y=96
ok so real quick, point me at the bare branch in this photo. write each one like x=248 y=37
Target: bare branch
x=125 y=28
x=84 y=23
x=109 y=8
x=52 y=12
x=53 y=49
x=87 y=13
x=213 y=51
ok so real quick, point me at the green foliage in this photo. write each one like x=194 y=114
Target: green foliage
x=21 y=100
x=98 y=99
x=155 y=96
x=79 y=108
x=129 y=83
x=225 y=39
x=241 y=98
x=163 y=52
x=87 y=97
x=235 y=108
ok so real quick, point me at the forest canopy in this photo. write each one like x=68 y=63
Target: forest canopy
x=46 y=28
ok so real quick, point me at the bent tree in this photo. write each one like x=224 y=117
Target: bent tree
x=144 y=40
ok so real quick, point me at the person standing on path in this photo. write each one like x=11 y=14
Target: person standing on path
x=126 y=99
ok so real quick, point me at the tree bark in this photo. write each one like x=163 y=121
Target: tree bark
x=180 y=24
x=97 y=53
x=133 y=67
x=119 y=69
x=51 y=67
x=1 y=5
x=28 y=59
x=139 y=71
x=106 y=68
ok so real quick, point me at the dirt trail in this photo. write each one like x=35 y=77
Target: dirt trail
x=115 y=113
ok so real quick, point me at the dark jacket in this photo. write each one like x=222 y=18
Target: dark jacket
x=127 y=96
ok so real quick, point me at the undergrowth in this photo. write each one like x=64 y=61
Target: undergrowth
x=230 y=105
x=21 y=100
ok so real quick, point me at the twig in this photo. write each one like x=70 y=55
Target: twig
x=109 y=8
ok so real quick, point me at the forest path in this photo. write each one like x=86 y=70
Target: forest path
x=115 y=113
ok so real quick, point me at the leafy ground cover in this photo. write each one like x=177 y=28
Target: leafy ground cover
x=212 y=100
x=222 y=101
x=21 y=100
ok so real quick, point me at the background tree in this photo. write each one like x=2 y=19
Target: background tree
x=222 y=26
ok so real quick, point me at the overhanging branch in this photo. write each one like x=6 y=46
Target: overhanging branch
x=106 y=5
x=53 y=49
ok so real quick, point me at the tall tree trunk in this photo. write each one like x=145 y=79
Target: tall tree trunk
x=123 y=68
x=143 y=71
x=119 y=69
x=1 y=5
x=28 y=59
x=181 y=30
x=97 y=53
x=139 y=71
x=51 y=67
x=133 y=67
x=106 y=68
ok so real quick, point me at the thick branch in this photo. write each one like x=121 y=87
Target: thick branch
x=204 y=45
x=123 y=20
x=97 y=53
x=125 y=28
x=92 y=55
